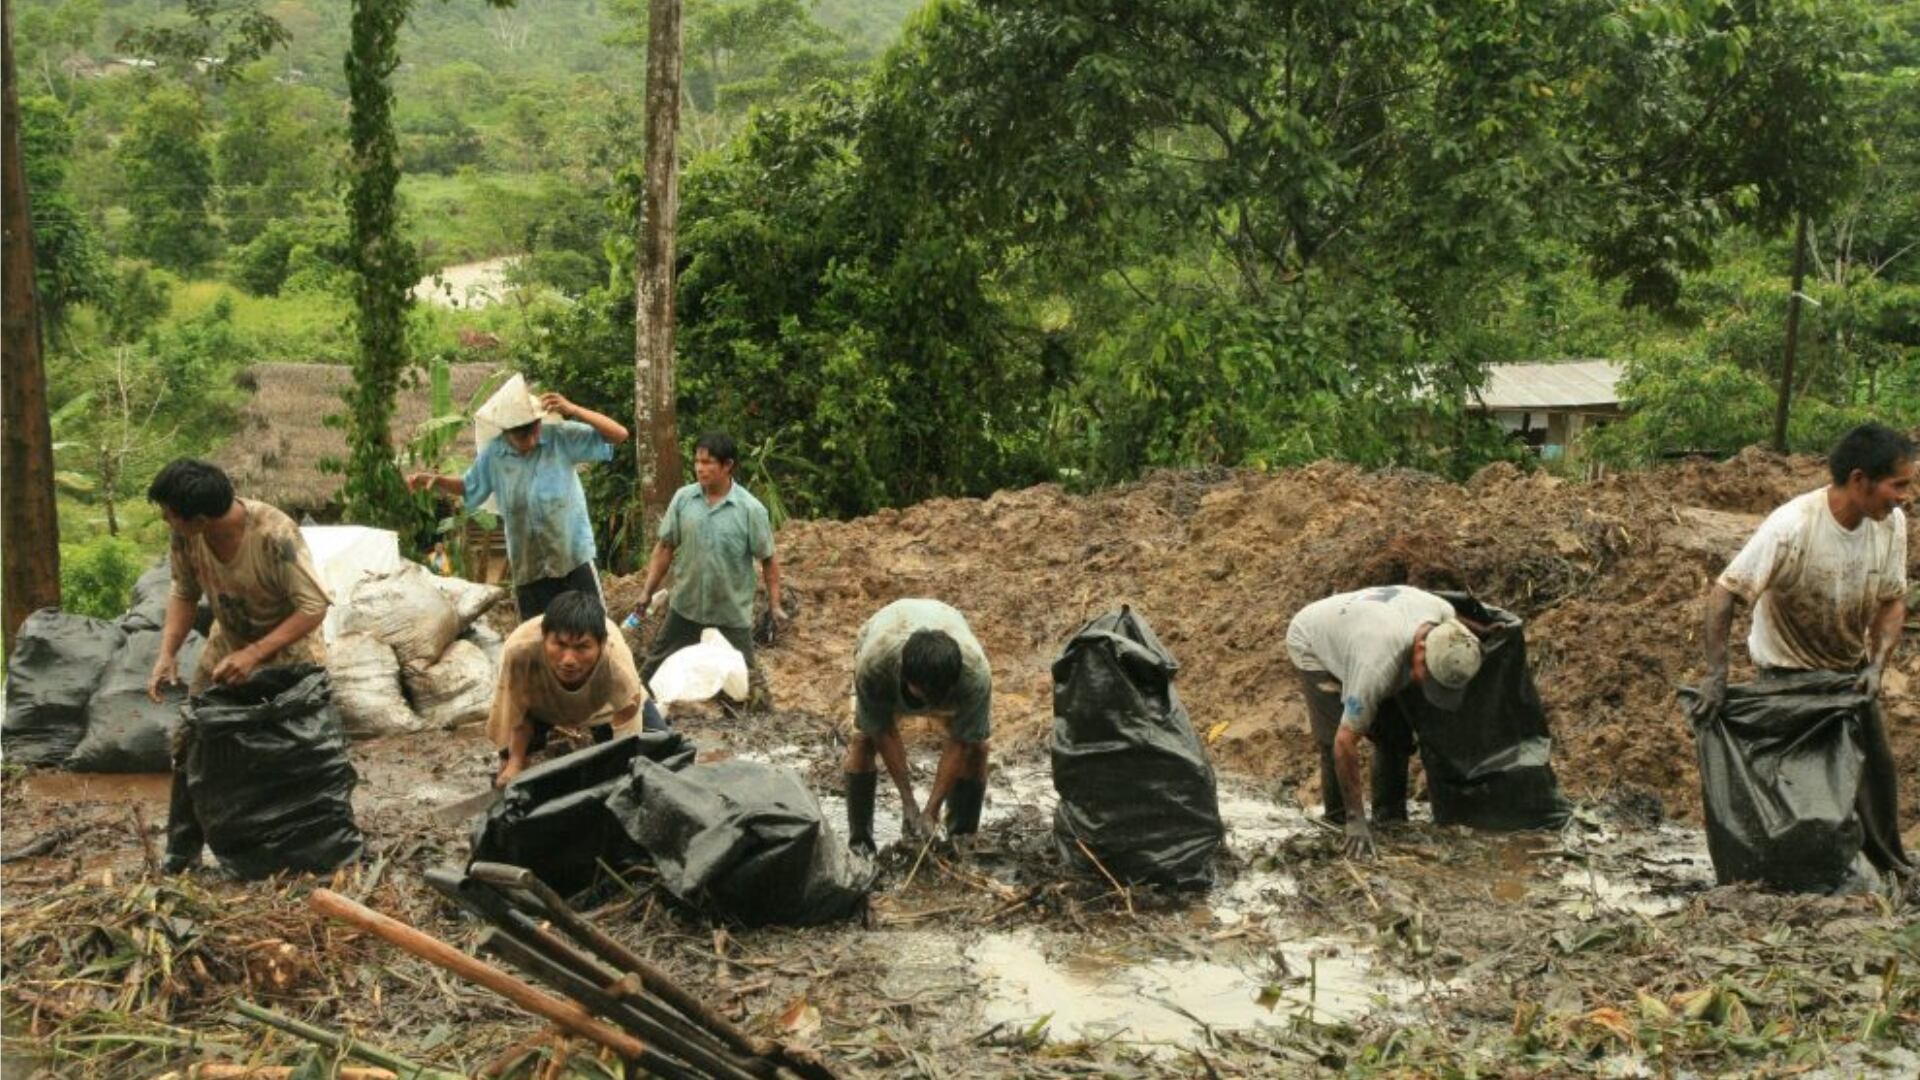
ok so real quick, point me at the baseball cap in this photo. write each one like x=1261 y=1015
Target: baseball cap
x=1453 y=656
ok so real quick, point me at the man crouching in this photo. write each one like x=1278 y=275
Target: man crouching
x=919 y=657
x=568 y=669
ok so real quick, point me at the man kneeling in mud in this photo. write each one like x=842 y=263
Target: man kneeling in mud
x=919 y=657
x=568 y=669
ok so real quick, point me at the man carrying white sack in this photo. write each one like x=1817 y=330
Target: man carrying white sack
x=528 y=469
x=568 y=669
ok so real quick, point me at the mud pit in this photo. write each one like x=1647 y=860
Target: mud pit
x=1601 y=950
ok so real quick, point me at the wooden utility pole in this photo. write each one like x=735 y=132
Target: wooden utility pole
x=658 y=448
x=29 y=524
x=1793 y=334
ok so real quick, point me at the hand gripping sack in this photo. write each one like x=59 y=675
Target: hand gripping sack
x=1134 y=781
x=268 y=772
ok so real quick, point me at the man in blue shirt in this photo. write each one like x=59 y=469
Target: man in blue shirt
x=528 y=470
x=713 y=532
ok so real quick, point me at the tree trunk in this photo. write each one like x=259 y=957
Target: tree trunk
x=29 y=523
x=657 y=450
x=1793 y=334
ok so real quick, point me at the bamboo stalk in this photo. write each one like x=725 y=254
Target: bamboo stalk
x=569 y=1015
x=343 y=1043
x=652 y=979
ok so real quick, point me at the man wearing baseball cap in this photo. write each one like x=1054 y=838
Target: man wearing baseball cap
x=1355 y=651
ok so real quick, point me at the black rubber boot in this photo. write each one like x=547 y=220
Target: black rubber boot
x=860 y=789
x=963 y=806
x=184 y=836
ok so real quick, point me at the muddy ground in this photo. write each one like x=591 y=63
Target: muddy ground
x=1601 y=950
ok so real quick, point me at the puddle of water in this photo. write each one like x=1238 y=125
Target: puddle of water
x=1170 y=1003
x=101 y=787
x=1254 y=820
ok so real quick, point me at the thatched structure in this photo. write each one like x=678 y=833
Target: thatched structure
x=276 y=454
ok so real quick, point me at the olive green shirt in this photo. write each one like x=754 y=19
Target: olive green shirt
x=879 y=695
x=714 y=549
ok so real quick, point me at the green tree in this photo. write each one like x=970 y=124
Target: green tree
x=69 y=265
x=166 y=181
x=272 y=152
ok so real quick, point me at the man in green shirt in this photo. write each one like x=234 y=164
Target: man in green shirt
x=919 y=657
x=713 y=532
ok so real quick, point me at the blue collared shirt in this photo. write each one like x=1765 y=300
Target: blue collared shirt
x=542 y=505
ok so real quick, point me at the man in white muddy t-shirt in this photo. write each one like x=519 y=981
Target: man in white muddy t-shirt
x=1827 y=577
x=1354 y=652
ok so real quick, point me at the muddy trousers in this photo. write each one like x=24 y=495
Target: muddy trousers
x=678 y=632
x=1393 y=746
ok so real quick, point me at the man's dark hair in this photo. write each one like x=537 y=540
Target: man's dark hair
x=719 y=446
x=1875 y=449
x=192 y=488
x=573 y=613
x=930 y=660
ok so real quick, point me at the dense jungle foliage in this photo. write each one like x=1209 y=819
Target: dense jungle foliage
x=941 y=248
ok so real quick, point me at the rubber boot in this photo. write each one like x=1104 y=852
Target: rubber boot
x=184 y=836
x=860 y=789
x=964 y=801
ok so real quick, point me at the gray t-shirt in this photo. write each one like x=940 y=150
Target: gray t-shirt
x=1365 y=640
x=879 y=699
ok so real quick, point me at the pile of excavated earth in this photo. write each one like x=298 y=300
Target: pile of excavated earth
x=1610 y=576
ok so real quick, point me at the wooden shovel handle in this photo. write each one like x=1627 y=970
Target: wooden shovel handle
x=567 y=1014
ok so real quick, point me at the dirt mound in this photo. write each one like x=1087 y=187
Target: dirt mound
x=1610 y=576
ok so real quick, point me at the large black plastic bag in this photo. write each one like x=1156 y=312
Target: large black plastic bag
x=1779 y=772
x=1489 y=764
x=268 y=773
x=743 y=840
x=148 y=609
x=128 y=732
x=1134 y=781
x=58 y=660
x=554 y=819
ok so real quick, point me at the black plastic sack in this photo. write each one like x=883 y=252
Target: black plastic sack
x=554 y=820
x=1779 y=772
x=58 y=659
x=1133 y=777
x=148 y=608
x=1489 y=764
x=128 y=732
x=742 y=840
x=268 y=773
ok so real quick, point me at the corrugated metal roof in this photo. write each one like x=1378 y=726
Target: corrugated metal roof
x=1567 y=385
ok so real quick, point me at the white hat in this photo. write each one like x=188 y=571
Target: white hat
x=511 y=406
x=1453 y=657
